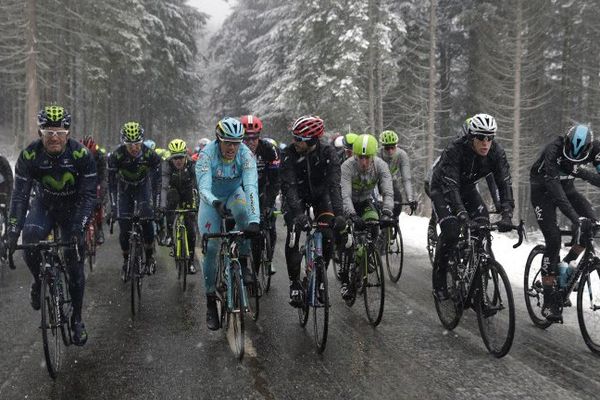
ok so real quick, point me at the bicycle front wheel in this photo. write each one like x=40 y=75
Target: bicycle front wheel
x=532 y=287
x=134 y=267
x=449 y=310
x=588 y=308
x=320 y=304
x=495 y=309
x=235 y=315
x=51 y=335
x=373 y=286
x=394 y=253
x=90 y=246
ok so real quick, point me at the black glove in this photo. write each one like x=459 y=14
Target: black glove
x=505 y=224
x=386 y=218
x=582 y=230
x=301 y=221
x=112 y=217
x=266 y=214
x=413 y=206
x=11 y=244
x=359 y=223
x=77 y=238
x=339 y=223
x=220 y=207
x=253 y=229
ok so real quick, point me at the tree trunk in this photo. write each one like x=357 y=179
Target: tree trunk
x=432 y=83
x=372 y=44
x=516 y=159
x=32 y=95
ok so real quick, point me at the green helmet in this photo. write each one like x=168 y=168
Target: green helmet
x=349 y=139
x=388 y=138
x=177 y=148
x=54 y=116
x=365 y=145
x=132 y=132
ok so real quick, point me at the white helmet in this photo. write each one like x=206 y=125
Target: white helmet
x=483 y=124
x=338 y=142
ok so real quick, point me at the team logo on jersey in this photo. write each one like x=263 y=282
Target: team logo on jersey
x=77 y=154
x=538 y=213
x=29 y=155
x=67 y=178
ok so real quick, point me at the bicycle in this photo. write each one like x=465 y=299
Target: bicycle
x=55 y=300
x=393 y=247
x=266 y=254
x=136 y=262
x=315 y=288
x=231 y=293
x=90 y=243
x=475 y=279
x=3 y=238
x=180 y=247
x=365 y=271
x=585 y=281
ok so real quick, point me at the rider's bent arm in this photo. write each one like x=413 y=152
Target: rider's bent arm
x=250 y=185
x=112 y=169
x=405 y=173
x=502 y=178
x=334 y=176
x=86 y=193
x=450 y=182
x=346 y=182
x=22 y=190
x=155 y=177
x=289 y=186
x=494 y=191
x=552 y=179
x=385 y=185
x=204 y=178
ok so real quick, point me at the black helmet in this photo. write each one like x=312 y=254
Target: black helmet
x=578 y=143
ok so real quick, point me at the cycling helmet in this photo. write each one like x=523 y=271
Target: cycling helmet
x=88 y=141
x=203 y=142
x=177 y=148
x=252 y=125
x=388 y=138
x=578 y=143
x=282 y=146
x=54 y=116
x=349 y=139
x=149 y=143
x=365 y=145
x=271 y=141
x=308 y=127
x=132 y=132
x=230 y=130
x=338 y=142
x=482 y=124
x=465 y=126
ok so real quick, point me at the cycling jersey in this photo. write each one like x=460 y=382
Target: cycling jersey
x=459 y=168
x=399 y=165
x=267 y=165
x=6 y=181
x=65 y=181
x=358 y=186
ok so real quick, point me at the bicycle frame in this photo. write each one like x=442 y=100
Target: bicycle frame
x=313 y=250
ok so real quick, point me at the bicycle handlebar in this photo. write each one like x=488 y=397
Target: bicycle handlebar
x=41 y=245
x=494 y=227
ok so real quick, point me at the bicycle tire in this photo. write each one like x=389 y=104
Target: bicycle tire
x=354 y=277
x=589 y=292
x=66 y=308
x=51 y=338
x=394 y=253
x=320 y=305
x=337 y=265
x=133 y=268
x=450 y=310
x=269 y=261
x=304 y=310
x=235 y=314
x=432 y=237
x=186 y=255
x=532 y=288
x=495 y=309
x=373 y=286
x=90 y=246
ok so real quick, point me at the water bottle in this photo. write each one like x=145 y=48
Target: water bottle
x=564 y=273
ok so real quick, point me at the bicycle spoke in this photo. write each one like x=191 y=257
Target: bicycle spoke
x=588 y=309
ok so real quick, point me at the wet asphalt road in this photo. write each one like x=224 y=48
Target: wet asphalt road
x=168 y=353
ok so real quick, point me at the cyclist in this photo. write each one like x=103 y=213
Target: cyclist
x=361 y=174
x=100 y=159
x=399 y=164
x=6 y=181
x=227 y=182
x=454 y=193
x=267 y=165
x=134 y=174
x=179 y=191
x=201 y=144
x=552 y=179
x=64 y=174
x=310 y=176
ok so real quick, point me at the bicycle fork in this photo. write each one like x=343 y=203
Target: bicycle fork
x=229 y=271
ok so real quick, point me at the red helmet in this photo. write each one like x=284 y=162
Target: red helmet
x=252 y=125
x=88 y=141
x=308 y=127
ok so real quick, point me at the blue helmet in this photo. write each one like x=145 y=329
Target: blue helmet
x=151 y=144
x=578 y=143
x=230 y=130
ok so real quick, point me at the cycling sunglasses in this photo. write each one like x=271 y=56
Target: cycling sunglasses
x=483 y=137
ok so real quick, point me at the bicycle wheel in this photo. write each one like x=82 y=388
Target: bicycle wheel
x=320 y=305
x=51 y=337
x=588 y=308
x=264 y=265
x=532 y=287
x=235 y=314
x=185 y=253
x=373 y=286
x=303 y=311
x=449 y=310
x=253 y=291
x=337 y=261
x=394 y=252
x=90 y=246
x=66 y=307
x=432 y=237
x=134 y=270
x=495 y=309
